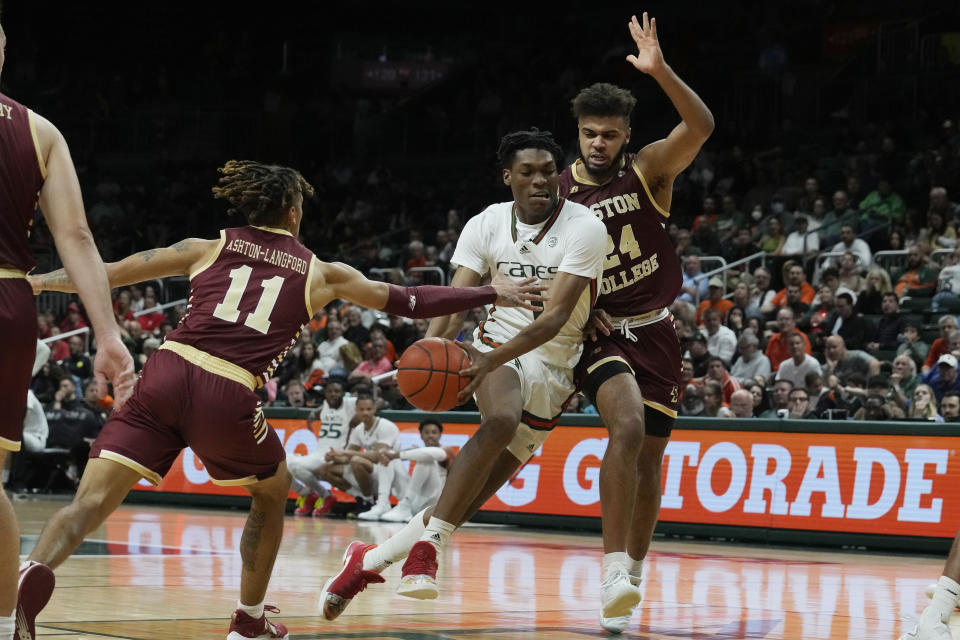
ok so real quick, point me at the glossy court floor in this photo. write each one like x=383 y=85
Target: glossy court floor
x=155 y=573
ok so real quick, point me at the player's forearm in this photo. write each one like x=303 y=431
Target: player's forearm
x=85 y=268
x=530 y=337
x=693 y=111
x=427 y=301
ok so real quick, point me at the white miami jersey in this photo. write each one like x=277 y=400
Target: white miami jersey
x=571 y=240
x=382 y=431
x=335 y=423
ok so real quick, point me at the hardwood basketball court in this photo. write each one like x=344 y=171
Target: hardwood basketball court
x=153 y=573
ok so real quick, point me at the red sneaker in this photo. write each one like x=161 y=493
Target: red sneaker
x=325 y=507
x=243 y=627
x=352 y=579
x=34 y=589
x=306 y=504
x=419 y=577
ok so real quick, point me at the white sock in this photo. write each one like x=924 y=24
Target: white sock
x=255 y=611
x=636 y=570
x=945 y=597
x=438 y=532
x=616 y=561
x=8 y=624
x=396 y=547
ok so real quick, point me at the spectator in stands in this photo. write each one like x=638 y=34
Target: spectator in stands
x=890 y=326
x=843 y=362
x=692 y=290
x=850 y=243
x=72 y=426
x=683 y=245
x=295 y=393
x=896 y=241
x=704 y=232
x=938 y=234
x=940 y=204
x=77 y=364
x=950 y=406
x=836 y=218
x=329 y=356
x=303 y=367
x=799 y=408
x=736 y=320
x=741 y=404
x=741 y=295
x=121 y=306
x=944 y=377
x=777 y=350
x=741 y=246
x=137 y=301
x=379 y=332
x=919 y=278
x=815 y=389
x=686 y=373
x=848 y=324
x=903 y=379
x=73 y=319
x=881 y=206
x=416 y=255
x=375 y=364
x=92 y=401
x=761 y=295
x=757 y=394
x=876 y=404
x=721 y=340
x=752 y=363
x=799 y=364
x=911 y=345
x=773 y=240
x=717 y=372
x=150 y=322
x=923 y=405
x=941 y=345
x=353 y=329
x=400 y=333
x=795 y=302
x=780 y=406
x=714 y=301
x=850 y=277
x=948 y=284
x=870 y=300
x=713 y=406
x=691 y=402
x=795 y=276
x=801 y=242
x=813 y=321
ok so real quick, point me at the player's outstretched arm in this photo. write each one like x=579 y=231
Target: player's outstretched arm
x=674 y=153
x=449 y=326
x=178 y=259
x=564 y=294
x=338 y=280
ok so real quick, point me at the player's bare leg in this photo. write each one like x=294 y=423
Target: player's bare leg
x=933 y=623
x=102 y=488
x=646 y=509
x=621 y=408
x=363 y=472
x=9 y=559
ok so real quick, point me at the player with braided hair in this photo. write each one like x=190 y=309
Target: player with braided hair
x=251 y=291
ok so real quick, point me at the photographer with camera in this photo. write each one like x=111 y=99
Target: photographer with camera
x=879 y=403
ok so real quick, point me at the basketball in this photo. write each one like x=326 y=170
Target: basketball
x=427 y=374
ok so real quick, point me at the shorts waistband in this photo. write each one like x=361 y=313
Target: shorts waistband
x=7 y=272
x=211 y=363
x=643 y=319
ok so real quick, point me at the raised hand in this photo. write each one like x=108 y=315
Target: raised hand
x=513 y=293
x=649 y=58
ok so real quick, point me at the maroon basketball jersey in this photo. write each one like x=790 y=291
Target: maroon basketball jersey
x=641 y=272
x=22 y=172
x=248 y=304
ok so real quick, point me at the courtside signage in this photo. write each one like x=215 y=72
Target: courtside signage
x=855 y=483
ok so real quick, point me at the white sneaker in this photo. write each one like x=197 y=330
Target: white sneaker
x=930 y=627
x=619 y=624
x=374 y=512
x=618 y=595
x=400 y=513
x=930 y=589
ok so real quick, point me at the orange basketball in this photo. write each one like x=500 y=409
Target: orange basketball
x=427 y=374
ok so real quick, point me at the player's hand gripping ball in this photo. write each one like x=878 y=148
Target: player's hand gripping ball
x=427 y=374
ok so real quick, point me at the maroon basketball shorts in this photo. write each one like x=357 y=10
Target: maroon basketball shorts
x=18 y=348
x=178 y=404
x=646 y=347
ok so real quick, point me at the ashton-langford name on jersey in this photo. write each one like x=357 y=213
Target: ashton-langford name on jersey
x=274 y=257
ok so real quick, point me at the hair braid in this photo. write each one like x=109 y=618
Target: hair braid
x=260 y=192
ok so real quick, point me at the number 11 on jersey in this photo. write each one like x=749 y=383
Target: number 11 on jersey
x=229 y=309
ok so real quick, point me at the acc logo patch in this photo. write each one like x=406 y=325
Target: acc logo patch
x=552 y=242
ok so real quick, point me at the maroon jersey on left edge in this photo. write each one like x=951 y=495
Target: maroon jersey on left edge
x=21 y=177
x=641 y=272
x=248 y=305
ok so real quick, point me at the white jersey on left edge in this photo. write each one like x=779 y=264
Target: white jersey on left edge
x=571 y=240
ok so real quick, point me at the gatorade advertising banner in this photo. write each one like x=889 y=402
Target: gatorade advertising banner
x=852 y=483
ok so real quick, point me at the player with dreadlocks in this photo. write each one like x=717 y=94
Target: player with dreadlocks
x=540 y=234
x=251 y=291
